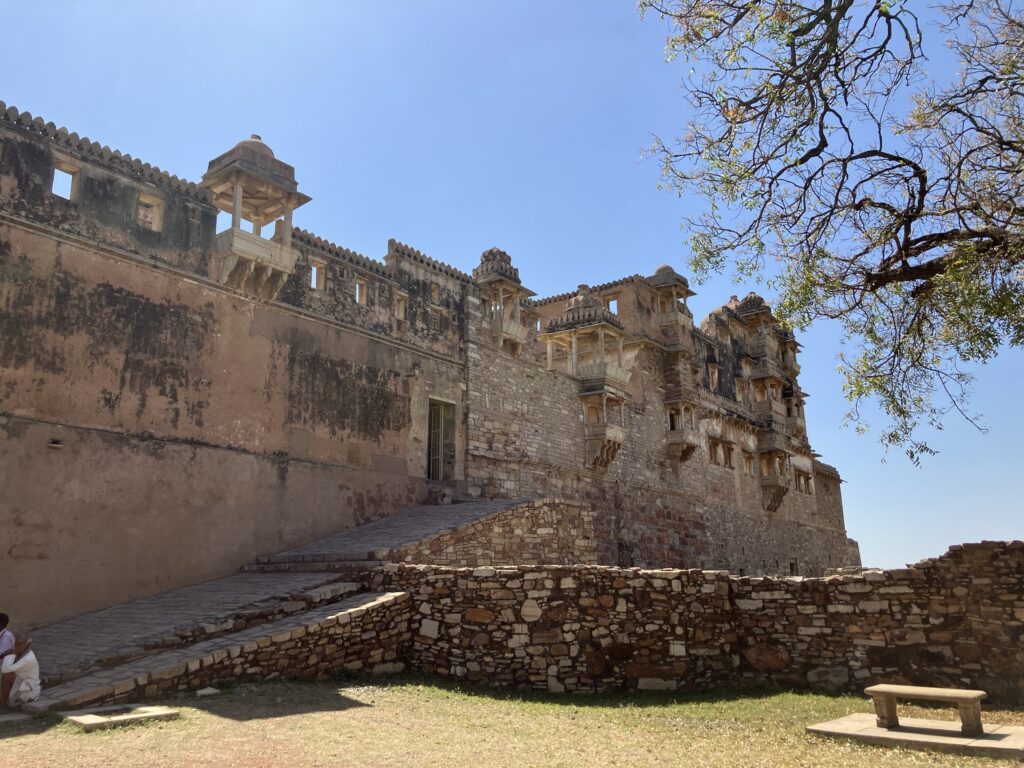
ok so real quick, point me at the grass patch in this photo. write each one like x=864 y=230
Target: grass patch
x=413 y=723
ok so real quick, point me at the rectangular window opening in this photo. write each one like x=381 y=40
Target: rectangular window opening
x=150 y=213
x=360 y=291
x=400 y=304
x=613 y=306
x=64 y=182
x=317 y=275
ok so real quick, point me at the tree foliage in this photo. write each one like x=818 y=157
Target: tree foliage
x=893 y=203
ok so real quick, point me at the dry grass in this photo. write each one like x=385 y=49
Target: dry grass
x=293 y=725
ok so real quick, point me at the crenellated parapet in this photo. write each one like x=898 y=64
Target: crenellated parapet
x=92 y=151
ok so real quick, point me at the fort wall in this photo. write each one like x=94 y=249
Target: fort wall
x=159 y=429
x=175 y=400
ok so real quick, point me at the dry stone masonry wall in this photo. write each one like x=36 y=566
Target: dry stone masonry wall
x=543 y=531
x=957 y=620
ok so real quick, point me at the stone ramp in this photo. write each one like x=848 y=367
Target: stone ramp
x=69 y=648
x=375 y=540
x=362 y=632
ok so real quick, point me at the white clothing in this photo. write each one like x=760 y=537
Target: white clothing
x=26 y=686
x=6 y=640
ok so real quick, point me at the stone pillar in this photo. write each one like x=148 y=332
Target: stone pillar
x=286 y=236
x=572 y=356
x=236 y=207
x=551 y=354
x=620 y=351
x=600 y=344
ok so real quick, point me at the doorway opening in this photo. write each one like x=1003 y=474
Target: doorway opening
x=441 y=444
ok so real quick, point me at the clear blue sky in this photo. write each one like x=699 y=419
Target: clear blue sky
x=457 y=126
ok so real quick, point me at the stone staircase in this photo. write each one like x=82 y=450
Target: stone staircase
x=249 y=625
x=95 y=641
x=363 y=548
x=313 y=643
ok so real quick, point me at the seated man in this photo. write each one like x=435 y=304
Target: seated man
x=6 y=646
x=22 y=663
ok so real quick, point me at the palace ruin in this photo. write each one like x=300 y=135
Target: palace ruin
x=175 y=401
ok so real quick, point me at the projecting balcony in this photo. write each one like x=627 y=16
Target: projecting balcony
x=773 y=490
x=251 y=263
x=602 y=375
x=771 y=441
x=682 y=442
x=514 y=330
x=603 y=444
x=775 y=482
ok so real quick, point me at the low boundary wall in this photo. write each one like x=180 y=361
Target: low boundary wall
x=952 y=621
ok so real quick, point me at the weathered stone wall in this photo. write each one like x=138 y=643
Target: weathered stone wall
x=158 y=428
x=161 y=420
x=525 y=432
x=542 y=531
x=957 y=620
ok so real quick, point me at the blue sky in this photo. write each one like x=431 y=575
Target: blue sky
x=456 y=126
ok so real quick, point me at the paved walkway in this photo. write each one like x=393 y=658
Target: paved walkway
x=124 y=630
x=374 y=540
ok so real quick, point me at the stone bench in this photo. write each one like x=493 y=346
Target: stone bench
x=968 y=702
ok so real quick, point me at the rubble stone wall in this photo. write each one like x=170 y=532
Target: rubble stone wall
x=370 y=639
x=543 y=531
x=957 y=620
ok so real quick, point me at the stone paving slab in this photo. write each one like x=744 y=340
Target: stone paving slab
x=111 y=717
x=1005 y=741
x=374 y=540
x=94 y=686
x=125 y=630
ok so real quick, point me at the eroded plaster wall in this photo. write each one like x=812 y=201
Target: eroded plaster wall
x=160 y=429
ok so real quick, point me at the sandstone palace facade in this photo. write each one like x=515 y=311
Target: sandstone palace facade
x=175 y=400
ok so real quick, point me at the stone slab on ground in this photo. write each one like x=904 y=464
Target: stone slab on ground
x=101 y=718
x=374 y=540
x=123 y=631
x=1005 y=741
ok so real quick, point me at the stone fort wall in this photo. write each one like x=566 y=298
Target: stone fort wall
x=160 y=426
x=159 y=429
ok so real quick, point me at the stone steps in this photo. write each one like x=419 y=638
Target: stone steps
x=375 y=542
x=354 y=569
x=110 y=637
x=370 y=627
